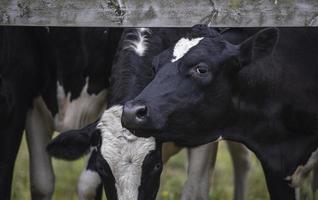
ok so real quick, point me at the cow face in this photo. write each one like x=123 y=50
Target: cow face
x=129 y=166
x=194 y=89
x=133 y=163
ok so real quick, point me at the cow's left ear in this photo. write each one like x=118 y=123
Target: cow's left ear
x=258 y=46
x=73 y=144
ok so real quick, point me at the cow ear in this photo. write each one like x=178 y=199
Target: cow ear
x=258 y=46
x=71 y=145
x=156 y=63
x=159 y=60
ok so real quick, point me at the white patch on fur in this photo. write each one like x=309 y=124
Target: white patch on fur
x=302 y=172
x=74 y=114
x=88 y=183
x=124 y=153
x=183 y=46
x=139 y=45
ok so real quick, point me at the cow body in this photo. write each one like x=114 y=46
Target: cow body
x=83 y=59
x=80 y=60
x=21 y=73
x=261 y=92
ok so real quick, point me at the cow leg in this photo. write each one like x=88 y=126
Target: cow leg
x=241 y=166
x=89 y=184
x=201 y=162
x=297 y=193
x=169 y=149
x=99 y=192
x=39 y=132
x=278 y=187
x=314 y=184
x=9 y=146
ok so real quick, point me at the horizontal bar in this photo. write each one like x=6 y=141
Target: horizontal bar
x=177 y=13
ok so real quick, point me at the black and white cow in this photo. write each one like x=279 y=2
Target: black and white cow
x=261 y=92
x=130 y=167
x=80 y=62
x=20 y=82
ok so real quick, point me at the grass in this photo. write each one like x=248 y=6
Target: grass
x=173 y=177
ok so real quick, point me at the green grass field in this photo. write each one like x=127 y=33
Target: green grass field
x=172 y=180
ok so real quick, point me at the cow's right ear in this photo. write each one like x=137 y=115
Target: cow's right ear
x=72 y=145
x=156 y=63
x=161 y=59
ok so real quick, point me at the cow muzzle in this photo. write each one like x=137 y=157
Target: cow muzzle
x=135 y=115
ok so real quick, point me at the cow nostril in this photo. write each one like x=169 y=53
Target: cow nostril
x=141 y=112
x=135 y=115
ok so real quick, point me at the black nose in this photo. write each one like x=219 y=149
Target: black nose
x=134 y=115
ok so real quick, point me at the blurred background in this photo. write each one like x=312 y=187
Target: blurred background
x=172 y=178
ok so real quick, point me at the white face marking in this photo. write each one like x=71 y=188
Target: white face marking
x=123 y=152
x=79 y=112
x=302 y=172
x=183 y=46
x=139 y=45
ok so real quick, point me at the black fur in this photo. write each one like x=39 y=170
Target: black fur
x=130 y=72
x=77 y=54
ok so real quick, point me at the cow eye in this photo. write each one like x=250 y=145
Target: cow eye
x=201 y=73
x=201 y=69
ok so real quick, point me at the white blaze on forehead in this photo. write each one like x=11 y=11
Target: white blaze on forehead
x=123 y=152
x=140 y=44
x=183 y=46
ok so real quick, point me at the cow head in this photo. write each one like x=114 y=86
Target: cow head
x=193 y=92
x=129 y=166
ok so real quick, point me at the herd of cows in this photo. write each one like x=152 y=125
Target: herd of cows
x=130 y=98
